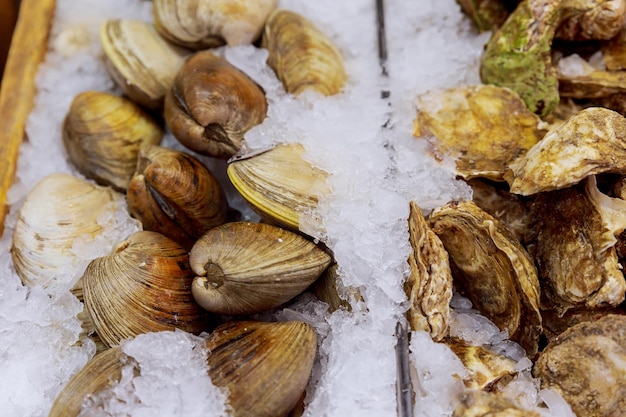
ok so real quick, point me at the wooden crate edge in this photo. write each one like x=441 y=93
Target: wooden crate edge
x=28 y=49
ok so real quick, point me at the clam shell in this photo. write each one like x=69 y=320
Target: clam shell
x=494 y=269
x=58 y=211
x=174 y=194
x=143 y=287
x=202 y=24
x=245 y=268
x=279 y=184
x=264 y=366
x=141 y=62
x=103 y=133
x=302 y=56
x=212 y=104
x=102 y=372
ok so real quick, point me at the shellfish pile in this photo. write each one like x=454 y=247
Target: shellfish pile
x=196 y=262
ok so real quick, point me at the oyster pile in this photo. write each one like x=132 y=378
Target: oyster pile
x=538 y=250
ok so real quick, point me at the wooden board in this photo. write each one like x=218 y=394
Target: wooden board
x=28 y=48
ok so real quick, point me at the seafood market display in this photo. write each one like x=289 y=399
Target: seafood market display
x=248 y=202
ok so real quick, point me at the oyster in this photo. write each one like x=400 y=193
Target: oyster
x=212 y=104
x=102 y=134
x=143 y=287
x=519 y=56
x=485 y=368
x=279 y=184
x=102 y=372
x=174 y=194
x=574 y=247
x=614 y=52
x=141 y=62
x=264 y=366
x=429 y=285
x=481 y=127
x=245 y=268
x=493 y=268
x=485 y=14
x=302 y=56
x=202 y=24
x=555 y=324
x=591 y=142
x=510 y=209
x=591 y=19
x=61 y=214
x=483 y=404
x=586 y=364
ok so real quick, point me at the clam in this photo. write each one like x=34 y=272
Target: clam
x=279 y=184
x=586 y=364
x=212 y=104
x=302 y=56
x=482 y=127
x=493 y=268
x=103 y=133
x=202 y=24
x=245 y=268
x=264 y=366
x=140 y=61
x=574 y=247
x=329 y=289
x=62 y=223
x=590 y=142
x=102 y=372
x=174 y=194
x=485 y=367
x=429 y=285
x=143 y=287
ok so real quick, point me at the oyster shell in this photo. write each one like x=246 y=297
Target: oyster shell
x=574 y=247
x=202 y=24
x=245 y=268
x=510 y=209
x=59 y=212
x=264 y=366
x=140 y=61
x=481 y=127
x=212 y=104
x=586 y=364
x=614 y=52
x=102 y=134
x=174 y=194
x=143 y=287
x=483 y=404
x=279 y=184
x=485 y=368
x=485 y=14
x=591 y=19
x=302 y=56
x=591 y=142
x=429 y=285
x=493 y=268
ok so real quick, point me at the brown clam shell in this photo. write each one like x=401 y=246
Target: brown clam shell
x=245 y=268
x=143 y=287
x=212 y=104
x=264 y=366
